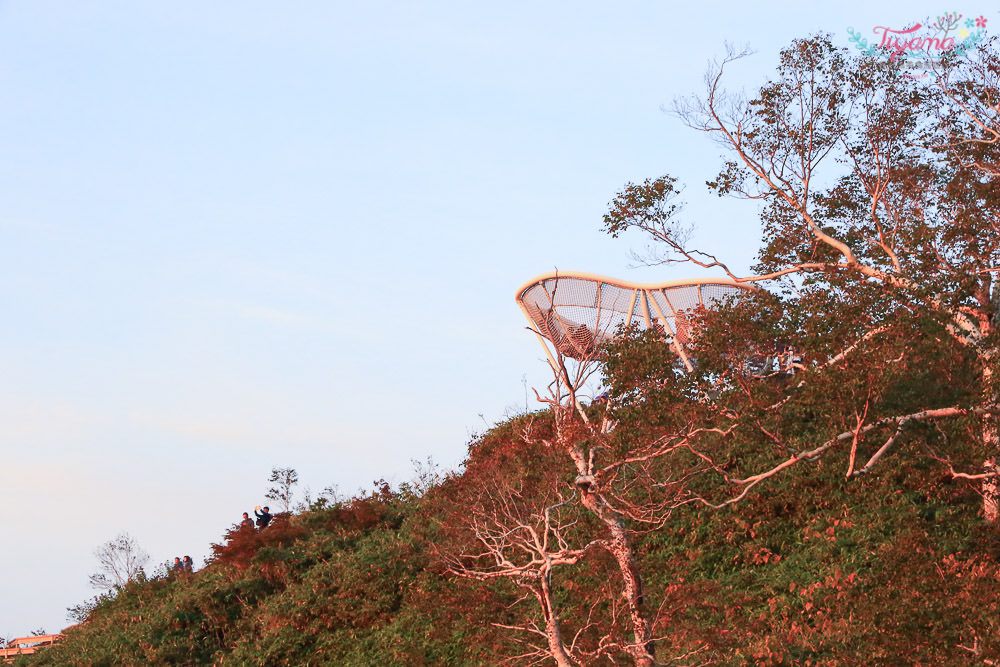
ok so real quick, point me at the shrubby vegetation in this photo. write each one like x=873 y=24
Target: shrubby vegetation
x=350 y=584
x=899 y=567
x=731 y=513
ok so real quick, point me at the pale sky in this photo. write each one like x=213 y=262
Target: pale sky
x=239 y=235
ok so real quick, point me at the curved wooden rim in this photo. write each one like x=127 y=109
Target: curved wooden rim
x=593 y=277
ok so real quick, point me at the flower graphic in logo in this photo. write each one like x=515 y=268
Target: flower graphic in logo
x=969 y=23
x=981 y=22
x=963 y=33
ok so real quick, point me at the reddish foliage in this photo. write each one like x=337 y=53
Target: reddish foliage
x=362 y=513
x=243 y=542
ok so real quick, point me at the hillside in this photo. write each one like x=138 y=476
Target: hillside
x=898 y=569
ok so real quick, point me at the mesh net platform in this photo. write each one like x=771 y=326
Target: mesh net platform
x=579 y=312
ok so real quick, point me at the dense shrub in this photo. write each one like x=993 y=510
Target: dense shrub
x=813 y=571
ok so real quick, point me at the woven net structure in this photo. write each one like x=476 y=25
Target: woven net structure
x=579 y=312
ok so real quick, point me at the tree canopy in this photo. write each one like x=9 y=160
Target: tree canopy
x=880 y=214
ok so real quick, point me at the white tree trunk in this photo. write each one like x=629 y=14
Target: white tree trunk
x=621 y=548
x=991 y=492
x=553 y=633
x=991 y=442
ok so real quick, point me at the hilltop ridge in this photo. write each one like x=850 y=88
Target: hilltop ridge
x=814 y=571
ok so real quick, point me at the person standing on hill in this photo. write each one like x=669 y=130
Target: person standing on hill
x=188 y=564
x=247 y=521
x=263 y=518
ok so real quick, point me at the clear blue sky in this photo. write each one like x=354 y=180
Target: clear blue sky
x=238 y=235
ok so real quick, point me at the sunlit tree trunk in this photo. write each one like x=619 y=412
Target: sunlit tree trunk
x=991 y=438
x=553 y=632
x=620 y=547
x=991 y=442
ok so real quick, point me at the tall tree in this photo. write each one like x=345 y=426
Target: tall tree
x=512 y=518
x=283 y=481
x=880 y=246
x=119 y=561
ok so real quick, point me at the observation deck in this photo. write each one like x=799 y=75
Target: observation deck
x=579 y=312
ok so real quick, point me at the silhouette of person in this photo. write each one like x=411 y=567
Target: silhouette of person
x=263 y=518
x=188 y=564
